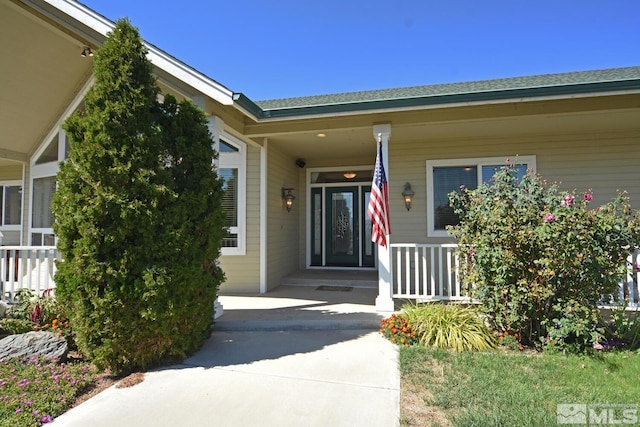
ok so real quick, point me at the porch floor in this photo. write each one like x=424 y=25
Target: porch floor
x=334 y=278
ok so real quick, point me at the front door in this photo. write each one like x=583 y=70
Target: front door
x=342 y=238
x=340 y=228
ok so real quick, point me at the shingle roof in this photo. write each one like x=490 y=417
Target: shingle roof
x=540 y=84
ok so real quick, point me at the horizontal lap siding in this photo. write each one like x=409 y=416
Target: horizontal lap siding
x=243 y=271
x=283 y=236
x=602 y=162
x=11 y=173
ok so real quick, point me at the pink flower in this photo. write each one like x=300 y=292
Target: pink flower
x=567 y=200
x=462 y=187
x=548 y=217
x=588 y=197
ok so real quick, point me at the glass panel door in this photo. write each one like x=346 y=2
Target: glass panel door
x=342 y=231
x=368 y=247
x=316 y=226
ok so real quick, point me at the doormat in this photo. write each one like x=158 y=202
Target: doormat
x=334 y=288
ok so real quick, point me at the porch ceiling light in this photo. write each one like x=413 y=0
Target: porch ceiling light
x=349 y=175
x=407 y=195
x=86 y=51
x=288 y=197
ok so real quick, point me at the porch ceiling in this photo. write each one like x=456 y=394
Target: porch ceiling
x=41 y=73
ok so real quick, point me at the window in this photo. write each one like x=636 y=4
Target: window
x=230 y=205
x=10 y=205
x=445 y=176
x=41 y=215
x=231 y=169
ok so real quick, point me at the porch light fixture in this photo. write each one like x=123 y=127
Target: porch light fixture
x=349 y=175
x=86 y=51
x=407 y=195
x=288 y=197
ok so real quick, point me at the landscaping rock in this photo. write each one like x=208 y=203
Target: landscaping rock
x=34 y=344
x=4 y=309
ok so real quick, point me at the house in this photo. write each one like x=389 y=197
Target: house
x=318 y=152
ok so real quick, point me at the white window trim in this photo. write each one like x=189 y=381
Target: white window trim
x=44 y=170
x=12 y=227
x=238 y=160
x=530 y=161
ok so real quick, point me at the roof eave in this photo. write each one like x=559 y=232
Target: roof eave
x=434 y=101
x=101 y=26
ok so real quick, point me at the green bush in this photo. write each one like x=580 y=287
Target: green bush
x=540 y=259
x=449 y=326
x=138 y=216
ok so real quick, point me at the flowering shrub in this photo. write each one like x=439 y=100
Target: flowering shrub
x=398 y=330
x=38 y=313
x=539 y=259
x=34 y=391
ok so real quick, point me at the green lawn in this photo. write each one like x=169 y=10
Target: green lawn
x=503 y=388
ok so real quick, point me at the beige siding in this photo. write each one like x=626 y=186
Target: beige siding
x=243 y=271
x=11 y=173
x=283 y=230
x=602 y=162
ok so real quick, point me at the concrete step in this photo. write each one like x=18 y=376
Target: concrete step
x=291 y=308
x=333 y=278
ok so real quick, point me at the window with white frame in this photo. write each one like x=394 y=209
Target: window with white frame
x=44 y=167
x=445 y=176
x=231 y=168
x=10 y=205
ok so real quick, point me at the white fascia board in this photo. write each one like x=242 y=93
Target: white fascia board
x=158 y=58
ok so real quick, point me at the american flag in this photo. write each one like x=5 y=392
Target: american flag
x=378 y=210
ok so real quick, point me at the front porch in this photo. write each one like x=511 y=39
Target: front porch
x=421 y=272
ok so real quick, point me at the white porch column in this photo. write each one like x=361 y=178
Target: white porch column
x=384 y=300
x=216 y=125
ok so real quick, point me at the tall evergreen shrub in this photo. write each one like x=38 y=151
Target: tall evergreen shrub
x=138 y=216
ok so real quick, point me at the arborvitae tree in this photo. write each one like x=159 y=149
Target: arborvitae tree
x=138 y=216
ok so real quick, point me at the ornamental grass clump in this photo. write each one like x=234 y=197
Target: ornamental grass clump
x=540 y=259
x=450 y=326
x=34 y=391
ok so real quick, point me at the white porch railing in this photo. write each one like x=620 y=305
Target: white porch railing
x=30 y=267
x=430 y=272
x=425 y=272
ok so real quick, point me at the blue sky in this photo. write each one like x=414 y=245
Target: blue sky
x=287 y=48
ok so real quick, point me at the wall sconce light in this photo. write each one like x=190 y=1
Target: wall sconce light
x=288 y=197
x=86 y=51
x=407 y=195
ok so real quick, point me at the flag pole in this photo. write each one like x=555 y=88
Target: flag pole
x=384 y=300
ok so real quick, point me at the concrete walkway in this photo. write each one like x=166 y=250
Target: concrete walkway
x=296 y=356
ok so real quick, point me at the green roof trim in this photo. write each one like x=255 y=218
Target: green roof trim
x=615 y=79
